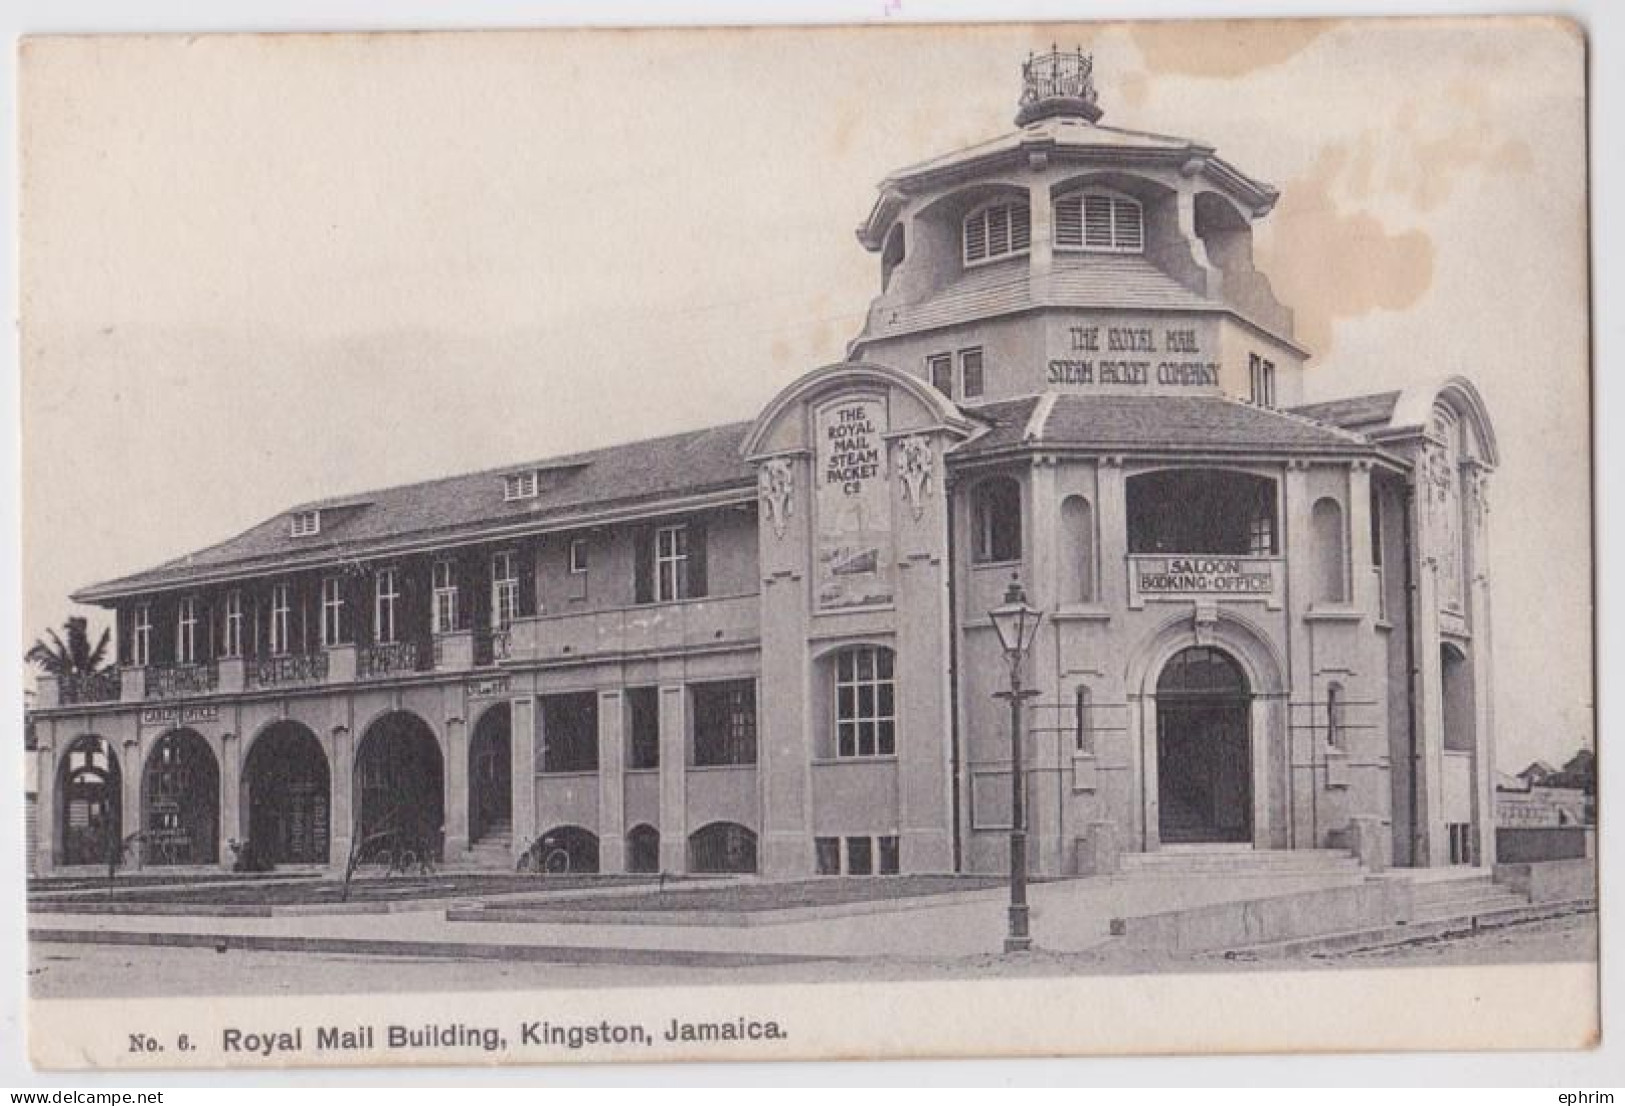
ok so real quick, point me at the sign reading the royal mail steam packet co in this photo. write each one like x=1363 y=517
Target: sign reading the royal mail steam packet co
x=853 y=504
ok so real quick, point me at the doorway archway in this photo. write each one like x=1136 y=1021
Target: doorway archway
x=400 y=784
x=180 y=801
x=490 y=775
x=89 y=828
x=1204 y=749
x=285 y=795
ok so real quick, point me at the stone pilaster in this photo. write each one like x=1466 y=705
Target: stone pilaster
x=611 y=781
x=673 y=778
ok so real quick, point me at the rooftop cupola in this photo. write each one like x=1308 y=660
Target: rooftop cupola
x=1058 y=83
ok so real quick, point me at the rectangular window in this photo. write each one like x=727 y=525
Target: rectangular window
x=724 y=723
x=386 y=594
x=570 y=732
x=445 y=597
x=1261 y=536
x=281 y=612
x=865 y=703
x=889 y=861
x=304 y=524
x=941 y=369
x=1083 y=721
x=1461 y=843
x=231 y=641
x=1262 y=379
x=141 y=641
x=827 y=851
x=504 y=590
x=332 y=612
x=643 y=722
x=519 y=485
x=186 y=632
x=578 y=556
x=970 y=373
x=859 y=856
x=671 y=564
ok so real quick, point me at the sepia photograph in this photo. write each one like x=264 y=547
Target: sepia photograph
x=652 y=544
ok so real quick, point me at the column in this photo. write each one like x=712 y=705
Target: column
x=1297 y=681
x=1044 y=761
x=47 y=823
x=673 y=769
x=1432 y=846
x=611 y=781
x=230 y=797
x=522 y=746
x=130 y=765
x=341 y=827
x=1475 y=493
x=456 y=784
x=1112 y=549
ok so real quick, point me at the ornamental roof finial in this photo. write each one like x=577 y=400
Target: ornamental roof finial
x=1058 y=83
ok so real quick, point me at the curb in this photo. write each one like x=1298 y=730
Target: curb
x=1396 y=935
x=453 y=950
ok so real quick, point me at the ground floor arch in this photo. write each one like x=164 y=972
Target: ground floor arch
x=490 y=774
x=400 y=785
x=722 y=847
x=1204 y=749
x=643 y=849
x=286 y=798
x=180 y=801
x=89 y=810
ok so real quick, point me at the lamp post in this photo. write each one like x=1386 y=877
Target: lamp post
x=1016 y=623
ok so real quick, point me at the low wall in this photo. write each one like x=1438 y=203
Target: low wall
x=1532 y=844
x=1368 y=905
x=1552 y=880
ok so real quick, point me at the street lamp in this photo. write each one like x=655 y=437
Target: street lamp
x=1016 y=623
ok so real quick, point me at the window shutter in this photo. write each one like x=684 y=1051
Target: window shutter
x=698 y=584
x=643 y=569
x=1069 y=221
x=976 y=237
x=1097 y=222
x=1130 y=236
x=1021 y=228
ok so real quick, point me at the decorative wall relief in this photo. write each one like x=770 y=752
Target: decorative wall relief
x=777 y=480
x=914 y=469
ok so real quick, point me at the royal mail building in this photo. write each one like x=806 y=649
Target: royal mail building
x=765 y=646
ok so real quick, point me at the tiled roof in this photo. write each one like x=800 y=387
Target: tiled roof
x=1120 y=281
x=1214 y=424
x=1353 y=411
x=1064 y=131
x=624 y=475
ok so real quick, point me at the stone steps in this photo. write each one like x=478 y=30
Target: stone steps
x=1240 y=861
x=491 y=853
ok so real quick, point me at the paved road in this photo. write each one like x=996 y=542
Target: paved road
x=116 y=971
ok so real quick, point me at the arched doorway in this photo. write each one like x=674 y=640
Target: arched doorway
x=180 y=801
x=643 y=849
x=490 y=775
x=400 y=784
x=1204 y=749
x=88 y=781
x=285 y=795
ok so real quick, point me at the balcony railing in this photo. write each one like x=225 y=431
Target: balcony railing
x=296 y=668
x=98 y=687
x=177 y=681
x=491 y=646
x=389 y=659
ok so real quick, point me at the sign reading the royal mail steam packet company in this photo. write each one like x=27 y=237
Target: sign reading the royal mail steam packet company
x=853 y=504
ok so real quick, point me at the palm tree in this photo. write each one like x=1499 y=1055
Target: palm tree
x=73 y=657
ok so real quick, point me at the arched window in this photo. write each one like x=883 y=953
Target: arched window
x=1078 y=556
x=1326 y=523
x=891 y=255
x=643 y=849
x=996 y=516
x=865 y=702
x=722 y=847
x=996 y=230
x=565 y=849
x=1099 y=221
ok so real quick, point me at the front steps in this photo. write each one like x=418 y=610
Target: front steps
x=1182 y=861
x=1464 y=898
x=493 y=852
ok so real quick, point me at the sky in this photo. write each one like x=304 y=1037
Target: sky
x=259 y=271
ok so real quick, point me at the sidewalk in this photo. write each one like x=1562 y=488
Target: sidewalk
x=1067 y=916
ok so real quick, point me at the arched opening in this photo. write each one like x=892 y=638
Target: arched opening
x=722 y=847
x=90 y=830
x=1326 y=526
x=996 y=520
x=565 y=849
x=1078 y=553
x=285 y=795
x=891 y=255
x=400 y=784
x=1457 y=676
x=1204 y=753
x=180 y=801
x=643 y=849
x=1236 y=516
x=490 y=775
